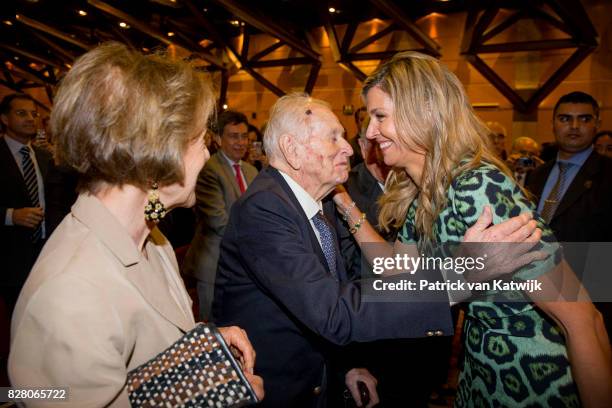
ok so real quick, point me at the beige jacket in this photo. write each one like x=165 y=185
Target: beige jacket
x=94 y=308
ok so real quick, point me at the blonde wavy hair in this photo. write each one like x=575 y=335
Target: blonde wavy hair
x=432 y=114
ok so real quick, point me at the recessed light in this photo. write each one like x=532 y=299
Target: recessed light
x=123 y=24
x=170 y=33
x=235 y=23
x=82 y=13
x=332 y=10
x=225 y=106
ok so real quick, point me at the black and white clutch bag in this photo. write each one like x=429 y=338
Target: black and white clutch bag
x=198 y=370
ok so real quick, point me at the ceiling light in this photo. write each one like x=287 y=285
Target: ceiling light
x=16 y=58
x=205 y=9
x=235 y=23
x=170 y=33
x=82 y=13
x=225 y=106
x=8 y=22
x=123 y=24
x=332 y=10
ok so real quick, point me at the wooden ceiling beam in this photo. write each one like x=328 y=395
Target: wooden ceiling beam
x=349 y=34
x=387 y=30
x=405 y=23
x=152 y=32
x=67 y=56
x=527 y=46
x=487 y=35
x=30 y=55
x=266 y=25
x=266 y=51
x=51 y=31
x=285 y=62
x=558 y=76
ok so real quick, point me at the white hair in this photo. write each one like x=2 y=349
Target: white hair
x=291 y=114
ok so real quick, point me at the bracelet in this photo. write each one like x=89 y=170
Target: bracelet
x=345 y=211
x=358 y=224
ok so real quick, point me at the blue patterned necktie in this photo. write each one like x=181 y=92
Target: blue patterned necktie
x=31 y=183
x=552 y=201
x=328 y=242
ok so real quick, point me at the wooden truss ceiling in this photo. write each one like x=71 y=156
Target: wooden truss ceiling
x=41 y=38
x=566 y=16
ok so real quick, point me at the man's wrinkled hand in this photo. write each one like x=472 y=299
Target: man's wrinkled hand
x=519 y=235
x=356 y=375
x=257 y=384
x=28 y=217
x=236 y=337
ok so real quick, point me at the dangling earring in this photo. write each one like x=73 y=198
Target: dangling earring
x=154 y=210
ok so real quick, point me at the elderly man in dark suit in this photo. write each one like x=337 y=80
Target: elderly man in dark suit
x=280 y=274
x=23 y=173
x=222 y=180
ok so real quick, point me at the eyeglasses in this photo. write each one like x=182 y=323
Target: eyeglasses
x=22 y=113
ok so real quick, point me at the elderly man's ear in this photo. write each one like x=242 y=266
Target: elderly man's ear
x=290 y=150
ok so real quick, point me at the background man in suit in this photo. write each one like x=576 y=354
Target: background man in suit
x=575 y=189
x=23 y=173
x=222 y=180
x=281 y=275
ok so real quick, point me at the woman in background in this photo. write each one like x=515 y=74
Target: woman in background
x=525 y=353
x=105 y=295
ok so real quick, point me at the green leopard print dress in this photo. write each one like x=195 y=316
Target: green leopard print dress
x=514 y=354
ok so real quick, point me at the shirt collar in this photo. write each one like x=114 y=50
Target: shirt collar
x=230 y=161
x=308 y=204
x=14 y=145
x=579 y=158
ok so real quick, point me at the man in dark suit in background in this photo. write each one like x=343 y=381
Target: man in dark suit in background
x=23 y=173
x=280 y=273
x=222 y=180
x=574 y=191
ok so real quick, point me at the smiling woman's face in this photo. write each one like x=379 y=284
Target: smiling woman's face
x=382 y=130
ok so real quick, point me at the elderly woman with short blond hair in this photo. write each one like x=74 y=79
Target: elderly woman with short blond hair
x=105 y=295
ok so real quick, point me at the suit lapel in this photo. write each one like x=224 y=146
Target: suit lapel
x=305 y=221
x=151 y=283
x=228 y=174
x=581 y=183
x=11 y=167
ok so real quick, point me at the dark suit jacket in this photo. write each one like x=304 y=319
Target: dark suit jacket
x=17 y=252
x=364 y=189
x=273 y=282
x=585 y=211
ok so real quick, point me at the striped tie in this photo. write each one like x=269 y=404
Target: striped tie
x=31 y=182
x=552 y=201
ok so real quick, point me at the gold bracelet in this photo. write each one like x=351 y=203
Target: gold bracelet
x=358 y=224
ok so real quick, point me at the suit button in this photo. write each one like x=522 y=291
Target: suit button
x=317 y=390
x=439 y=333
x=429 y=333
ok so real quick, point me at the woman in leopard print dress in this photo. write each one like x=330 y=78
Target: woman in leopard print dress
x=517 y=354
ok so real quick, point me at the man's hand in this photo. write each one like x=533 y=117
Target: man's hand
x=28 y=217
x=257 y=384
x=520 y=234
x=236 y=337
x=361 y=374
